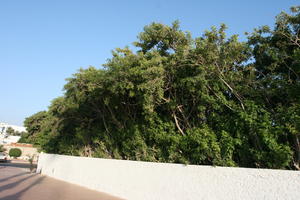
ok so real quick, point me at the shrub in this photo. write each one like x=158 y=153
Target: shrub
x=2 y=149
x=15 y=152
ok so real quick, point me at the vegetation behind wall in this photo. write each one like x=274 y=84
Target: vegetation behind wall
x=209 y=100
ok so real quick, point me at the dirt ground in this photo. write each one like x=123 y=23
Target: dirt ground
x=17 y=183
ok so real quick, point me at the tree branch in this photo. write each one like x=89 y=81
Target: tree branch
x=177 y=124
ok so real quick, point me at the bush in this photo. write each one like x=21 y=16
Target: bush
x=2 y=149
x=15 y=152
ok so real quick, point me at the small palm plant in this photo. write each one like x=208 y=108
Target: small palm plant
x=30 y=160
x=2 y=149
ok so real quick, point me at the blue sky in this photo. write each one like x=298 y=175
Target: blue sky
x=44 y=42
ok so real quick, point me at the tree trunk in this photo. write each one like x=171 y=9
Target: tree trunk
x=297 y=150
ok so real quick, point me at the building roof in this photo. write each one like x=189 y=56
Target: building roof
x=21 y=145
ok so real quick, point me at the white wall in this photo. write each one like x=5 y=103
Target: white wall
x=145 y=180
x=4 y=126
x=9 y=139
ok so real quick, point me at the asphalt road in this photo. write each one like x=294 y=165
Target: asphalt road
x=17 y=183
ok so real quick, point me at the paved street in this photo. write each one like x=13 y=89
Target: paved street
x=16 y=183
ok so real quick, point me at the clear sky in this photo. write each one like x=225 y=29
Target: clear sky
x=44 y=42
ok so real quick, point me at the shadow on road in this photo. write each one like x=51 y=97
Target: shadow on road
x=7 y=178
x=18 y=195
x=14 y=184
x=17 y=164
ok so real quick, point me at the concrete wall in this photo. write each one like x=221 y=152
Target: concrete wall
x=145 y=180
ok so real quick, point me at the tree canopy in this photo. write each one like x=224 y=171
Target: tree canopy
x=211 y=100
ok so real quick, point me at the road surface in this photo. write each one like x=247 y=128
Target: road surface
x=17 y=183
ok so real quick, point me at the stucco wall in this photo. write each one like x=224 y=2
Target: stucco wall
x=146 y=180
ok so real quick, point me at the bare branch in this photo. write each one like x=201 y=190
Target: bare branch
x=177 y=124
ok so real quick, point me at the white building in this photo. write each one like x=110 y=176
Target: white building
x=5 y=138
x=5 y=126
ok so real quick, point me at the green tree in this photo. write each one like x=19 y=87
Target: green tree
x=15 y=152
x=209 y=100
x=277 y=63
x=10 y=131
x=33 y=126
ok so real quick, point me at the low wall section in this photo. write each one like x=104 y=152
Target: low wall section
x=27 y=150
x=145 y=180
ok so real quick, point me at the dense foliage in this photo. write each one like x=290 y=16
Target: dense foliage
x=11 y=131
x=15 y=152
x=209 y=100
